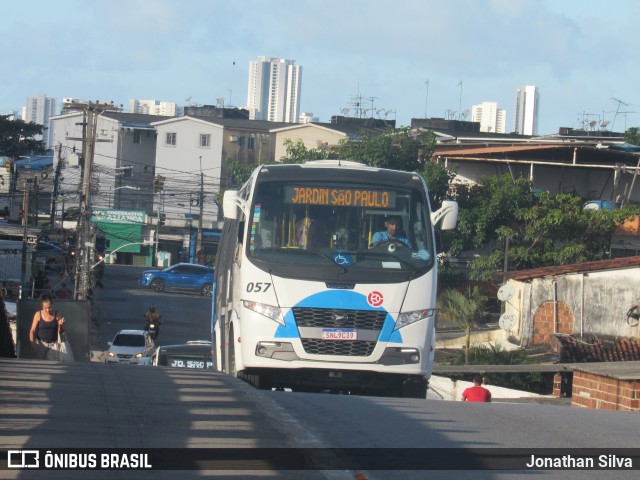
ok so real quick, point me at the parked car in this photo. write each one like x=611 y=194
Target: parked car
x=187 y=276
x=128 y=346
x=194 y=354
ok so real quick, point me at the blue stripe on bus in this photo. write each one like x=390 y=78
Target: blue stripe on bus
x=339 y=299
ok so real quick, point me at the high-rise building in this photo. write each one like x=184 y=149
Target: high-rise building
x=153 y=107
x=526 y=110
x=274 y=90
x=38 y=110
x=490 y=117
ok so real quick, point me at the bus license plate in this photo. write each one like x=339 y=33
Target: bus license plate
x=339 y=334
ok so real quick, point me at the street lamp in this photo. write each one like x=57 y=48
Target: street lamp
x=126 y=187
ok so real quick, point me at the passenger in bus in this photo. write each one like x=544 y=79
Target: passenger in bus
x=392 y=235
x=311 y=231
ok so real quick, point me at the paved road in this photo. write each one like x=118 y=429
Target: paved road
x=93 y=405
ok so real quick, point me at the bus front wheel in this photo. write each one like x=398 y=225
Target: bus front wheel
x=414 y=388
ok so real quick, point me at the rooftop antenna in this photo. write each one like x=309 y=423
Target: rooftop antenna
x=371 y=99
x=625 y=119
x=620 y=102
x=233 y=70
x=460 y=102
x=426 y=100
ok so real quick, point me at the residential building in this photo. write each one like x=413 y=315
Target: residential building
x=527 y=105
x=307 y=117
x=39 y=110
x=121 y=182
x=124 y=158
x=153 y=107
x=274 y=90
x=316 y=135
x=491 y=118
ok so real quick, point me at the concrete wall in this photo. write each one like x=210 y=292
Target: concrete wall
x=584 y=303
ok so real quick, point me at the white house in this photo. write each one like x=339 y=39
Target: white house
x=188 y=161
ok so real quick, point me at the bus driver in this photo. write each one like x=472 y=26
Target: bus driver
x=392 y=235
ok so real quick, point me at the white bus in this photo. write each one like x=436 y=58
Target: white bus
x=307 y=296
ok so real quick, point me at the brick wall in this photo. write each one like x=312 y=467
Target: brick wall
x=543 y=327
x=605 y=393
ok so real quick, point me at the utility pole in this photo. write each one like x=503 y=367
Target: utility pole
x=25 y=232
x=84 y=246
x=35 y=199
x=201 y=202
x=56 y=190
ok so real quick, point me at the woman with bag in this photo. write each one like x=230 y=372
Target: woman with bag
x=46 y=328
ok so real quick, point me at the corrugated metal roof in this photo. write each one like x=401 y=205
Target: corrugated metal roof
x=475 y=150
x=597 y=265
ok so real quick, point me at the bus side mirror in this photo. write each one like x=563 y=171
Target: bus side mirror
x=230 y=204
x=448 y=214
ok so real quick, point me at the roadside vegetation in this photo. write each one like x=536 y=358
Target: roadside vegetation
x=541 y=383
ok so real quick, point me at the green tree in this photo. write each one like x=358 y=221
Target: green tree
x=401 y=149
x=539 y=230
x=297 y=152
x=16 y=137
x=486 y=207
x=438 y=179
x=464 y=310
x=632 y=136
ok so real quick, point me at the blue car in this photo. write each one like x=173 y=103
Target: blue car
x=186 y=276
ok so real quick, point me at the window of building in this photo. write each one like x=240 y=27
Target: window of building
x=170 y=139
x=136 y=136
x=251 y=142
x=241 y=142
x=127 y=171
x=205 y=140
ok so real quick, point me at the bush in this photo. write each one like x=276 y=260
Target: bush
x=541 y=383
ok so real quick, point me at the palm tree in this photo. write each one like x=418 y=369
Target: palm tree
x=464 y=310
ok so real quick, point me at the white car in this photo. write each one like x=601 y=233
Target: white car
x=128 y=346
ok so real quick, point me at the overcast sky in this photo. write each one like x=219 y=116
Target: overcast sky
x=581 y=54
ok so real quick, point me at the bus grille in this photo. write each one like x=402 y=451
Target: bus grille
x=333 y=318
x=351 y=348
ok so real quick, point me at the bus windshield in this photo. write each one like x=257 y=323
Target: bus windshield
x=342 y=231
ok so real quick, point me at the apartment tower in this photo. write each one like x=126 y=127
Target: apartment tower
x=274 y=90
x=490 y=117
x=526 y=110
x=38 y=110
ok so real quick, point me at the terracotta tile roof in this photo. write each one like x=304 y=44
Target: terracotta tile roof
x=598 y=265
x=594 y=349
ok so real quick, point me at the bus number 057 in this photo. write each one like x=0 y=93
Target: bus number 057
x=258 y=287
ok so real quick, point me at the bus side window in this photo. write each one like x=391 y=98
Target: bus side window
x=240 y=231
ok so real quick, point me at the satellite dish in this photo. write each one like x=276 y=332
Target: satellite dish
x=505 y=292
x=507 y=321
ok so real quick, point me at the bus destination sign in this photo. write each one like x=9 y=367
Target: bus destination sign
x=345 y=197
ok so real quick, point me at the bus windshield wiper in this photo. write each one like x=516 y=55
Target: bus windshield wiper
x=299 y=251
x=381 y=255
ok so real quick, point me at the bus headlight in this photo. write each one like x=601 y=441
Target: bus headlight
x=274 y=313
x=408 y=318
